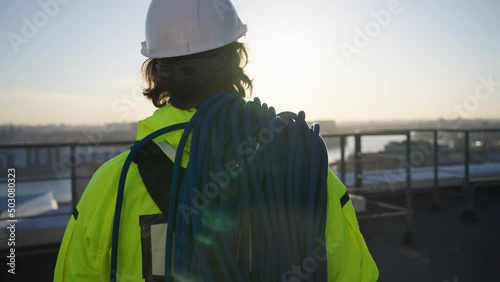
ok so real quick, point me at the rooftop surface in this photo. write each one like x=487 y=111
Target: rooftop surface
x=446 y=248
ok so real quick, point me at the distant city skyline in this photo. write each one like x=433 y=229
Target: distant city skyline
x=78 y=62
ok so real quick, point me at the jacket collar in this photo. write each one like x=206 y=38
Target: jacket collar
x=163 y=117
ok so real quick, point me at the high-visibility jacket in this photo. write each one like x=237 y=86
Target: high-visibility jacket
x=85 y=251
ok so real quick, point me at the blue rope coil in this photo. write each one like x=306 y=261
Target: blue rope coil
x=252 y=201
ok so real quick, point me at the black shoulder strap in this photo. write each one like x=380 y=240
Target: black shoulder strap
x=156 y=173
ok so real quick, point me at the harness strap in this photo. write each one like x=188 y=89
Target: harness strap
x=156 y=169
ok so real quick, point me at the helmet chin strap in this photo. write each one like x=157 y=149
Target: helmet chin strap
x=191 y=68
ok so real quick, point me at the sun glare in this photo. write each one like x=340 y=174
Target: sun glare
x=284 y=59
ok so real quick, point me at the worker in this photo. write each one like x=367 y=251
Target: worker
x=139 y=220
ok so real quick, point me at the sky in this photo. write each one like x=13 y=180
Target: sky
x=78 y=62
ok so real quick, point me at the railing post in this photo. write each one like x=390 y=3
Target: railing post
x=466 y=156
x=72 y=158
x=342 y=159
x=358 y=170
x=409 y=236
x=435 y=200
x=469 y=211
x=408 y=160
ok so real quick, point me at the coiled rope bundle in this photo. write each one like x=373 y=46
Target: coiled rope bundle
x=252 y=202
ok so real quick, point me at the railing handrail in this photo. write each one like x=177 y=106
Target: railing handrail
x=327 y=135
x=406 y=131
x=67 y=144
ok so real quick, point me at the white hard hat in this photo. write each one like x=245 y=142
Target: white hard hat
x=182 y=27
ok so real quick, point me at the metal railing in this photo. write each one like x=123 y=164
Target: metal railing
x=74 y=154
x=358 y=172
x=69 y=161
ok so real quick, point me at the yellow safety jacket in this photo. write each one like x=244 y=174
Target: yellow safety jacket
x=85 y=251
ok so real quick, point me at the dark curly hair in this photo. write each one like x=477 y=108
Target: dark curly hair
x=192 y=92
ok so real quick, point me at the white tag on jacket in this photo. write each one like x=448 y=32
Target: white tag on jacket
x=168 y=149
x=158 y=246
